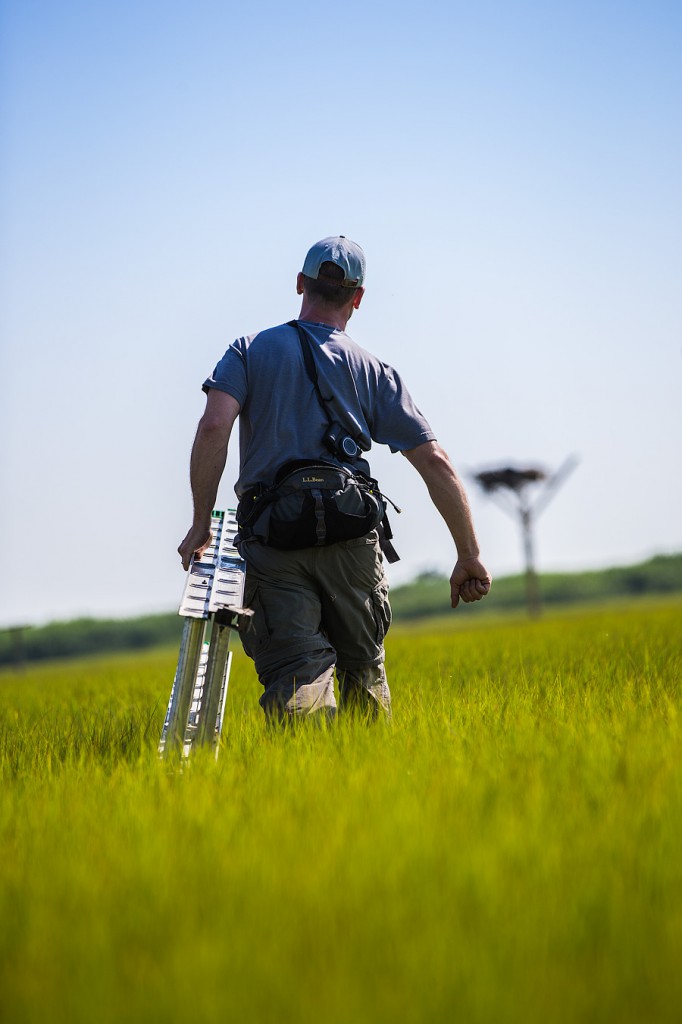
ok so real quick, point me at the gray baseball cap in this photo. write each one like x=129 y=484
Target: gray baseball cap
x=339 y=250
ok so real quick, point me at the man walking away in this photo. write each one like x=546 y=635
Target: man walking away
x=307 y=396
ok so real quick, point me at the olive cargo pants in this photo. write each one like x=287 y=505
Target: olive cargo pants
x=317 y=609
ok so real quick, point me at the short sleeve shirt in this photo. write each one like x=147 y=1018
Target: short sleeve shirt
x=281 y=416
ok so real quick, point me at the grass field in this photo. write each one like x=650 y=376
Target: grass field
x=509 y=849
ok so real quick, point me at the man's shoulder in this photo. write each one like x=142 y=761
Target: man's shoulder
x=370 y=362
x=266 y=339
x=267 y=334
x=354 y=351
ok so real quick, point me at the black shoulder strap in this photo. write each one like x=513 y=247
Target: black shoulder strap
x=310 y=367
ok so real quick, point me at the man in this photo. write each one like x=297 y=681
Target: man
x=323 y=608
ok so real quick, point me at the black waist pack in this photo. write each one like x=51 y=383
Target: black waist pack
x=312 y=504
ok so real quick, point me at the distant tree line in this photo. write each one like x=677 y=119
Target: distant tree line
x=88 y=636
x=427 y=596
x=660 y=575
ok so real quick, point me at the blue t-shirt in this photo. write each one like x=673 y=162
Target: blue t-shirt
x=281 y=418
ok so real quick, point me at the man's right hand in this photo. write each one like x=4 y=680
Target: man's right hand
x=470 y=581
x=195 y=543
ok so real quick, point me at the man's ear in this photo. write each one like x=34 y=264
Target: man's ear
x=357 y=298
x=299 y=284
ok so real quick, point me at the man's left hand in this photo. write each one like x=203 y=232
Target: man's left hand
x=470 y=581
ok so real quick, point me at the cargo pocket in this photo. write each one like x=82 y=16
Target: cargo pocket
x=257 y=637
x=382 y=611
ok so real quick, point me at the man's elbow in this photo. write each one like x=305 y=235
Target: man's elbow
x=429 y=459
x=212 y=432
x=212 y=424
x=219 y=416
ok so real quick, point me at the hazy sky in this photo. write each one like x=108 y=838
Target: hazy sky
x=512 y=171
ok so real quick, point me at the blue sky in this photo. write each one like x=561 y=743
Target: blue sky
x=512 y=171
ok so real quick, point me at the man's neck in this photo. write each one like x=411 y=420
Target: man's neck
x=320 y=313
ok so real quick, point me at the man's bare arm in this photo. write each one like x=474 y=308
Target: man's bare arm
x=209 y=454
x=470 y=580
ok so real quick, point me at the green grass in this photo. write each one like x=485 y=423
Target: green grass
x=507 y=850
